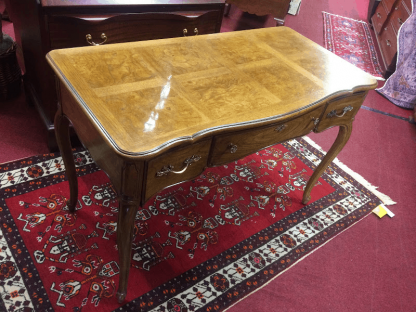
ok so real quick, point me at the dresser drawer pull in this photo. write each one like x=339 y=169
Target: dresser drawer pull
x=400 y=21
x=378 y=15
x=388 y=42
x=280 y=128
x=232 y=147
x=169 y=168
x=333 y=113
x=89 y=39
x=185 y=32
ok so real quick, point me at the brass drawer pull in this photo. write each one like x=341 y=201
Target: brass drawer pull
x=280 y=128
x=388 y=42
x=378 y=15
x=169 y=168
x=185 y=32
x=89 y=39
x=333 y=113
x=400 y=21
x=315 y=120
x=232 y=147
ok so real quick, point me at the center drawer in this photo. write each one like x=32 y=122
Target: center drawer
x=71 y=31
x=177 y=165
x=233 y=146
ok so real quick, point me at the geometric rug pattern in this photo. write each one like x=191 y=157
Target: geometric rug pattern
x=351 y=40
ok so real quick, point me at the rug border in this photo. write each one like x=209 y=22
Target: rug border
x=360 y=179
x=297 y=261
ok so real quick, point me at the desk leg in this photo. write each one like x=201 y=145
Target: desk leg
x=128 y=205
x=342 y=138
x=63 y=139
x=125 y=226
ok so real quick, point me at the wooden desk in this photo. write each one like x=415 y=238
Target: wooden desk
x=155 y=113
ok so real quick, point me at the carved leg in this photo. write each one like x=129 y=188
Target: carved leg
x=125 y=225
x=128 y=205
x=342 y=138
x=64 y=144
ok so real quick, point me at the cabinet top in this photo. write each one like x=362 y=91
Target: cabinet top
x=145 y=96
x=68 y=3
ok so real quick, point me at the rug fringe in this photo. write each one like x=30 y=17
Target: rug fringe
x=345 y=17
x=359 y=178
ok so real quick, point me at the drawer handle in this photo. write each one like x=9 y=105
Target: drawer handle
x=185 y=32
x=280 y=128
x=400 y=21
x=333 y=113
x=388 y=42
x=89 y=39
x=378 y=15
x=169 y=168
x=232 y=147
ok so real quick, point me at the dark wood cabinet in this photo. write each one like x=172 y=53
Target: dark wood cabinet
x=387 y=19
x=42 y=26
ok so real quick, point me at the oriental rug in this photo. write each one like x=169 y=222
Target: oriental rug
x=351 y=40
x=200 y=245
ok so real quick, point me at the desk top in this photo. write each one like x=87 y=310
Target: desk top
x=145 y=96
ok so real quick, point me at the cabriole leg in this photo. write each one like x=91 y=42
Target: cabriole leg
x=342 y=138
x=64 y=143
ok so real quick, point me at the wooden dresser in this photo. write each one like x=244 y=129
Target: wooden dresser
x=386 y=21
x=44 y=25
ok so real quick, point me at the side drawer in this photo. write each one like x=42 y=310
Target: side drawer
x=379 y=18
x=180 y=164
x=388 y=43
x=71 y=31
x=233 y=146
x=341 y=110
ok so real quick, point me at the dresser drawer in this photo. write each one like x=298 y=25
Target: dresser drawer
x=71 y=31
x=341 y=110
x=408 y=4
x=379 y=18
x=388 y=4
x=229 y=147
x=175 y=166
x=398 y=16
x=388 y=43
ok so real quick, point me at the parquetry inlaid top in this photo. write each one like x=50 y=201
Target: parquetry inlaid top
x=149 y=94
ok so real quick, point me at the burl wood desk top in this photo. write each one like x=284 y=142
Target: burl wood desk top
x=156 y=113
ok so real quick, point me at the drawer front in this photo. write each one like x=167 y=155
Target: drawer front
x=408 y=4
x=388 y=4
x=175 y=166
x=70 y=31
x=379 y=18
x=388 y=43
x=340 y=111
x=398 y=16
x=229 y=147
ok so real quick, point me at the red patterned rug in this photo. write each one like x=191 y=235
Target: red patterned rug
x=351 y=40
x=201 y=245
